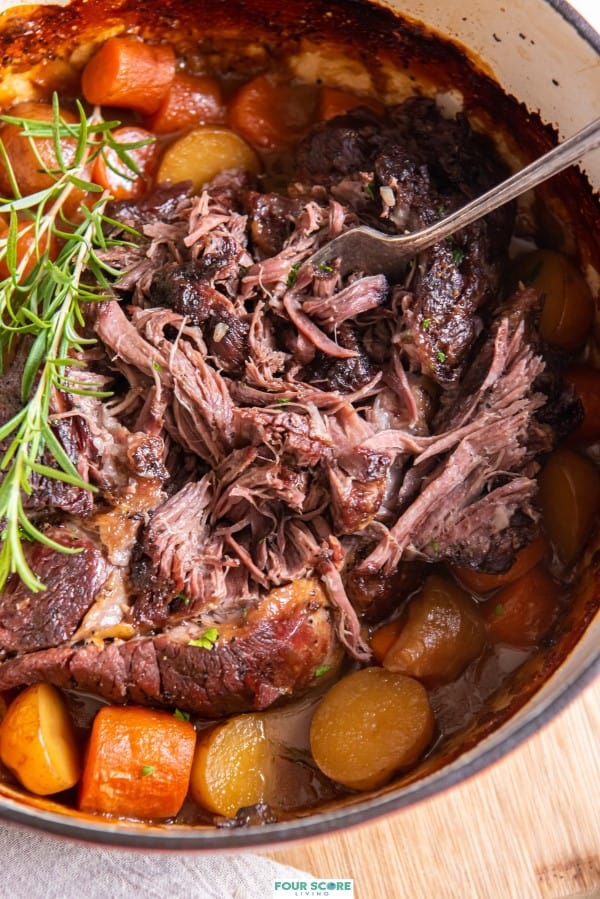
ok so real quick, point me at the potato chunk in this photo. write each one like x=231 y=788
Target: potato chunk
x=444 y=631
x=37 y=741
x=203 y=153
x=370 y=724
x=230 y=765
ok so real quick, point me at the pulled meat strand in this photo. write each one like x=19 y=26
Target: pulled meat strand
x=290 y=425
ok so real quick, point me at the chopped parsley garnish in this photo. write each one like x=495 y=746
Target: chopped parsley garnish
x=458 y=254
x=293 y=274
x=321 y=670
x=370 y=189
x=181 y=716
x=146 y=770
x=207 y=640
x=157 y=366
x=435 y=546
x=325 y=267
x=426 y=324
x=441 y=356
x=499 y=610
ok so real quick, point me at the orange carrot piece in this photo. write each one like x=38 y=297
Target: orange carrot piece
x=138 y=763
x=585 y=381
x=191 y=100
x=334 y=102
x=522 y=612
x=33 y=161
x=271 y=114
x=127 y=72
x=115 y=176
x=28 y=250
x=384 y=638
x=526 y=558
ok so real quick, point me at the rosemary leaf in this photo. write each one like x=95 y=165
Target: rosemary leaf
x=41 y=302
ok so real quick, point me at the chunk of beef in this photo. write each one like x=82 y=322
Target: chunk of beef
x=269 y=654
x=376 y=595
x=423 y=166
x=342 y=375
x=287 y=432
x=164 y=204
x=357 y=482
x=271 y=221
x=343 y=146
x=31 y=621
x=186 y=290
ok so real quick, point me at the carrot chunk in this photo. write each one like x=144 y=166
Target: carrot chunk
x=191 y=100
x=30 y=248
x=384 y=638
x=33 y=161
x=522 y=612
x=124 y=181
x=270 y=114
x=481 y=582
x=569 y=496
x=334 y=102
x=585 y=381
x=138 y=763
x=568 y=308
x=127 y=72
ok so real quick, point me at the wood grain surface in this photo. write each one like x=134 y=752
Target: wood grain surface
x=526 y=828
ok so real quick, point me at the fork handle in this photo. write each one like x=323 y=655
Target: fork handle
x=567 y=152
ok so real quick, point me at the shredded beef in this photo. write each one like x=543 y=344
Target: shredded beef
x=289 y=426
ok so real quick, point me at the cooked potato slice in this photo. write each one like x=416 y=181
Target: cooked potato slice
x=230 y=765
x=204 y=152
x=370 y=724
x=444 y=631
x=37 y=741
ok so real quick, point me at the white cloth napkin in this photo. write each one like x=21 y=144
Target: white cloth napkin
x=36 y=866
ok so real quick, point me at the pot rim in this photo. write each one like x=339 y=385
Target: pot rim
x=127 y=835
x=177 y=839
x=574 y=18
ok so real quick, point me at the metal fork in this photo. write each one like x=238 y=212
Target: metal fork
x=366 y=249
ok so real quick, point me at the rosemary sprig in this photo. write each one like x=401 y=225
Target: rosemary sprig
x=41 y=302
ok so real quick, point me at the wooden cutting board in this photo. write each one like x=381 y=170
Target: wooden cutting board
x=526 y=828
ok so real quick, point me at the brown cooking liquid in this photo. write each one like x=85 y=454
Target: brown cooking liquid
x=236 y=42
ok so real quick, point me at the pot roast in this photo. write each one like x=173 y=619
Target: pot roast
x=281 y=447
